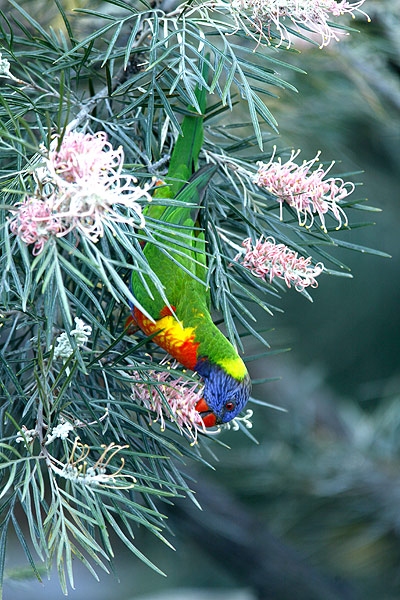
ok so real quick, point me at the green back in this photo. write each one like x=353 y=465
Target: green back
x=181 y=266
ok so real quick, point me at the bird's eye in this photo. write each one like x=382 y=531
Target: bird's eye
x=229 y=406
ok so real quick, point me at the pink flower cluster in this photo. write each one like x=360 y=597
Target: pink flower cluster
x=312 y=15
x=307 y=191
x=82 y=187
x=84 y=157
x=173 y=399
x=34 y=223
x=267 y=259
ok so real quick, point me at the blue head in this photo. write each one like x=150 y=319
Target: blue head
x=224 y=396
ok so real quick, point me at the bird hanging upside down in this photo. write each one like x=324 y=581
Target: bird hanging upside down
x=184 y=328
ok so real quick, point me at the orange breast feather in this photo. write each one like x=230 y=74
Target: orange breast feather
x=177 y=340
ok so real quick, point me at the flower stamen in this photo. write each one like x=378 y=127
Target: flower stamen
x=304 y=189
x=267 y=259
x=312 y=15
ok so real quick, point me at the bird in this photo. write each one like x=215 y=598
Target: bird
x=183 y=326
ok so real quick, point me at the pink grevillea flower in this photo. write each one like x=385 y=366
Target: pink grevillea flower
x=312 y=15
x=34 y=223
x=83 y=156
x=171 y=399
x=81 y=187
x=305 y=190
x=87 y=172
x=268 y=260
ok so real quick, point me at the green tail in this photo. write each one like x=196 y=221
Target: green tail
x=184 y=241
x=185 y=156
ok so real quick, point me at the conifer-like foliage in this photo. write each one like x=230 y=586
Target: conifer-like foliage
x=96 y=426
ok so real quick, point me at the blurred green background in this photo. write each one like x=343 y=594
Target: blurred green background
x=324 y=481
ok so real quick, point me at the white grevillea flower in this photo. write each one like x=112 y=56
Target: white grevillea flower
x=5 y=67
x=60 y=431
x=235 y=423
x=81 y=469
x=27 y=435
x=309 y=15
x=81 y=333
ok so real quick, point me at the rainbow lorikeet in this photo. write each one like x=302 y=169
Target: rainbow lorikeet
x=184 y=328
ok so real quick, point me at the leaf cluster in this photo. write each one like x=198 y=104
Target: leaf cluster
x=109 y=474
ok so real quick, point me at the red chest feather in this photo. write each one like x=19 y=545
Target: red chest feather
x=177 y=340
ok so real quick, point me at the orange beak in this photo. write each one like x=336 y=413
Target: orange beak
x=208 y=417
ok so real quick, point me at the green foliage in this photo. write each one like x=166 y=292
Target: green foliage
x=78 y=454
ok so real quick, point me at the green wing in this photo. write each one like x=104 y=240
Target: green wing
x=177 y=254
x=181 y=268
